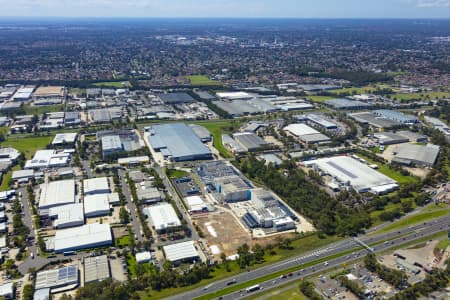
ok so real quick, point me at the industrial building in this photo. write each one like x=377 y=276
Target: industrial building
x=133 y=160
x=42 y=294
x=162 y=217
x=370 y=118
x=114 y=141
x=195 y=204
x=68 y=215
x=96 y=269
x=65 y=138
x=99 y=185
x=49 y=92
x=232 y=188
x=349 y=172
x=249 y=141
x=389 y=138
x=396 y=116
x=347 y=104
x=271 y=158
x=176 y=98
x=72 y=118
x=111 y=198
x=307 y=134
x=209 y=171
x=49 y=159
x=82 y=237
x=181 y=252
x=178 y=142
x=317 y=120
x=96 y=205
x=203 y=134
x=420 y=155
x=148 y=194
x=23 y=94
x=58 y=280
x=111 y=144
x=56 y=193
x=7 y=290
x=234 y=95
x=143 y=257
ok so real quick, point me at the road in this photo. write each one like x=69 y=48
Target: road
x=130 y=205
x=178 y=203
x=395 y=238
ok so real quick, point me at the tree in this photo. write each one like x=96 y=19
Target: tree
x=258 y=252
x=27 y=292
x=124 y=216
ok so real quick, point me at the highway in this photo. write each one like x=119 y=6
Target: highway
x=394 y=239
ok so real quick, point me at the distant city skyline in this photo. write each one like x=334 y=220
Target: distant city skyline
x=228 y=8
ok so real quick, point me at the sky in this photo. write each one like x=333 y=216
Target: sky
x=228 y=8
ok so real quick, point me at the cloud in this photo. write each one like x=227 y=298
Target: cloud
x=433 y=3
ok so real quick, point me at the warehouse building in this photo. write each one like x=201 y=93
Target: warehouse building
x=232 y=188
x=319 y=121
x=42 y=294
x=370 y=118
x=49 y=159
x=111 y=144
x=307 y=134
x=72 y=118
x=65 y=138
x=56 y=193
x=99 y=185
x=203 y=134
x=210 y=171
x=68 y=215
x=396 y=116
x=234 y=95
x=7 y=290
x=349 y=172
x=96 y=269
x=181 y=252
x=390 y=138
x=143 y=257
x=148 y=194
x=96 y=205
x=249 y=141
x=58 y=280
x=195 y=204
x=176 y=98
x=111 y=198
x=22 y=176
x=162 y=217
x=83 y=237
x=343 y=103
x=178 y=142
x=420 y=155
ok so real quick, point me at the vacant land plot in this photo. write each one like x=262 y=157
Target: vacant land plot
x=222 y=230
x=202 y=80
x=319 y=98
x=27 y=145
x=39 y=110
x=421 y=96
x=289 y=293
x=114 y=84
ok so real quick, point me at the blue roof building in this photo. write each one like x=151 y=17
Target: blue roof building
x=396 y=116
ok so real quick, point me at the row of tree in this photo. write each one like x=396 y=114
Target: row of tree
x=396 y=278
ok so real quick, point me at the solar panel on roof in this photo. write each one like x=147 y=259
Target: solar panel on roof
x=342 y=170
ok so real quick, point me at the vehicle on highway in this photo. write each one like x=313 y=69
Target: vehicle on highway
x=325 y=264
x=231 y=282
x=253 y=288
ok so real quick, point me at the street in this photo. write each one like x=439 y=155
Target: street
x=130 y=205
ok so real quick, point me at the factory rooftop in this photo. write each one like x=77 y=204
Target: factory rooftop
x=57 y=278
x=396 y=116
x=181 y=251
x=307 y=134
x=82 y=237
x=176 y=98
x=49 y=159
x=67 y=215
x=249 y=141
x=65 y=138
x=96 y=268
x=372 y=119
x=97 y=185
x=162 y=216
x=347 y=170
x=56 y=193
x=346 y=104
x=178 y=142
x=411 y=154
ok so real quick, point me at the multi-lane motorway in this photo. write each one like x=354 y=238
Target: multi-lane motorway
x=379 y=243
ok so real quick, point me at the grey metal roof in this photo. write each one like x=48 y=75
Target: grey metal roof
x=96 y=268
x=342 y=103
x=173 y=98
x=396 y=116
x=180 y=141
x=416 y=153
x=249 y=140
x=111 y=142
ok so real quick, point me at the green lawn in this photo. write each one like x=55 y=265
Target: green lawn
x=39 y=110
x=202 y=80
x=278 y=294
x=443 y=244
x=123 y=241
x=217 y=128
x=113 y=84
x=131 y=263
x=27 y=145
x=174 y=173
x=360 y=90
x=421 y=96
x=6 y=178
x=319 y=98
x=429 y=213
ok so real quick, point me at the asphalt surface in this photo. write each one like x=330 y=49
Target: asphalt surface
x=395 y=238
x=130 y=205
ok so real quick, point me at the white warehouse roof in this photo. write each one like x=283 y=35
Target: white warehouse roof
x=57 y=193
x=61 y=138
x=96 y=205
x=67 y=215
x=300 y=129
x=82 y=237
x=96 y=185
x=180 y=251
x=360 y=176
x=162 y=216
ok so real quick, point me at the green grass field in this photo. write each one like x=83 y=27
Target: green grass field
x=202 y=80
x=6 y=178
x=113 y=84
x=27 y=145
x=39 y=110
x=443 y=244
x=429 y=213
x=318 y=98
x=174 y=173
x=421 y=96
x=217 y=128
x=280 y=294
x=123 y=241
